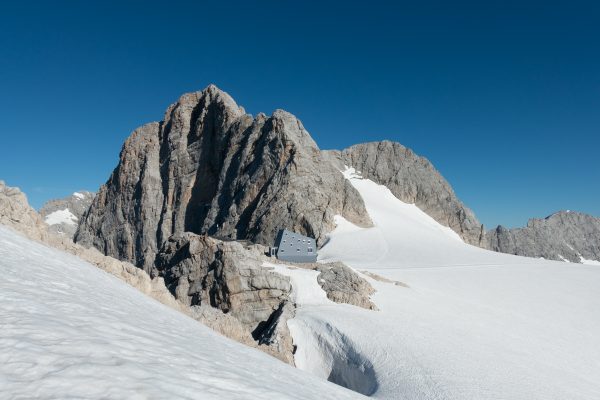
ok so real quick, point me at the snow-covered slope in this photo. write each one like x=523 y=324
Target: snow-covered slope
x=458 y=323
x=61 y=217
x=69 y=330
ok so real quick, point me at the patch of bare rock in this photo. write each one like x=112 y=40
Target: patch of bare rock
x=380 y=278
x=343 y=285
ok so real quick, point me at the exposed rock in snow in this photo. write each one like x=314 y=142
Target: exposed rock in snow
x=565 y=235
x=226 y=324
x=200 y=270
x=63 y=215
x=343 y=285
x=380 y=278
x=339 y=283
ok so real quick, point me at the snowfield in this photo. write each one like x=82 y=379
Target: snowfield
x=69 y=330
x=61 y=217
x=455 y=321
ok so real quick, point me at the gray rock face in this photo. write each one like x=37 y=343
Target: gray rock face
x=565 y=235
x=203 y=271
x=63 y=215
x=412 y=179
x=211 y=168
x=343 y=285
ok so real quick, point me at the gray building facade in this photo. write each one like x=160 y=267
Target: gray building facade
x=290 y=246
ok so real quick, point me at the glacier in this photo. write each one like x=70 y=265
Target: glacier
x=455 y=321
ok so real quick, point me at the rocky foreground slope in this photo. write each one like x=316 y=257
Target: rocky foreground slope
x=251 y=300
x=63 y=215
x=563 y=236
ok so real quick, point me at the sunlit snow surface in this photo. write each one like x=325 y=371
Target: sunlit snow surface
x=589 y=262
x=61 y=217
x=69 y=330
x=472 y=324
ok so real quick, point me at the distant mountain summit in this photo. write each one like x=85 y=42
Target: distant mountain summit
x=412 y=179
x=63 y=215
x=562 y=236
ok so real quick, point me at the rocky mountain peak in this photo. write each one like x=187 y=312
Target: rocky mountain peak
x=209 y=168
x=210 y=108
x=412 y=179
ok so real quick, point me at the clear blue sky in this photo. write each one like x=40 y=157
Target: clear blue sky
x=503 y=99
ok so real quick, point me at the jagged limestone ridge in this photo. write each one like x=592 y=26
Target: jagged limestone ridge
x=562 y=236
x=210 y=168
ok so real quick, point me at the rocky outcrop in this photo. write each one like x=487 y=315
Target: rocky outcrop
x=563 y=236
x=343 y=285
x=16 y=213
x=63 y=215
x=412 y=179
x=210 y=168
x=203 y=271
